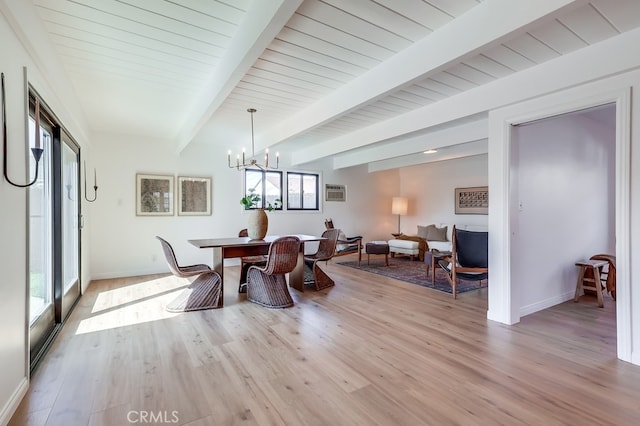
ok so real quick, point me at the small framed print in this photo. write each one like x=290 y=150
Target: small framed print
x=194 y=196
x=154 y=195
x=473 y=200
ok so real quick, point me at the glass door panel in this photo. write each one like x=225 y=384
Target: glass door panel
x=40 y=238
x=41 y=266
x=70 y=230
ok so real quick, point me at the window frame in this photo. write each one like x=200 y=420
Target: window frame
x=317 y=185
x=262 y=191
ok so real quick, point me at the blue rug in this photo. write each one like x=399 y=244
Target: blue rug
x=414 y=272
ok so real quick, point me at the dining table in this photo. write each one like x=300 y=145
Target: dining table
x=226 y=248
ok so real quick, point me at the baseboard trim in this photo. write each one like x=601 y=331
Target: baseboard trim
x=12 y=405
x=547 y=303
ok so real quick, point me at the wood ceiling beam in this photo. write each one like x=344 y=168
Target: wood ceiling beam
x=582 y=66
x=483 y=26
x=264 y=20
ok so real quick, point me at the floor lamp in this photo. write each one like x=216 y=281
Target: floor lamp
x=399 y=206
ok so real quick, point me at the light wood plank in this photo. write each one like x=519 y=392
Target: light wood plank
x=371 y=350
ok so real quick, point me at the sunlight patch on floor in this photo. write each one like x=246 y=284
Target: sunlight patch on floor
x=133 y=304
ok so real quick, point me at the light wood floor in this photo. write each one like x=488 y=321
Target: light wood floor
x=369 y=351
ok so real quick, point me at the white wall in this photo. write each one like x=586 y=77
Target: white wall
x=14 y=370
x=563 y=207
x=123 y=244
x=430 y=189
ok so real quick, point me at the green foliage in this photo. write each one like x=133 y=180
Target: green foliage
x=252 y=200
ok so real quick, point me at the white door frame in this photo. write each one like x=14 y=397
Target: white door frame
x=504 y=303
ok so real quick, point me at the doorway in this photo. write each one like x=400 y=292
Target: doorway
x=563 y=202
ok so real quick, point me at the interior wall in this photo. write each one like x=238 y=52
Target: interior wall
x=563 y=208
x=13 y=292
x=430 y=189
x=14 y=371
x=120 y=157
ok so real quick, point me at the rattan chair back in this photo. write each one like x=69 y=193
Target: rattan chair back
x=283 y=255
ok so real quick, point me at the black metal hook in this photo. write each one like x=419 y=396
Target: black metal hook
x=95 y=186
x=37 y=152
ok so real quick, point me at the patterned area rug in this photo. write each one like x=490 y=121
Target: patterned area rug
x=412 y=271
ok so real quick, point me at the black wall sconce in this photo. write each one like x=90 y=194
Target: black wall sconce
x=36 y=152
x=95 y=184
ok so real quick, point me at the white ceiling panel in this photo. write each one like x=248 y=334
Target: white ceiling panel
x=147 y=66
x=558 y=37
x=589 y=24
x=623 y=15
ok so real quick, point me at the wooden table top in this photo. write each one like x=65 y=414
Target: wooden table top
x=246 y=241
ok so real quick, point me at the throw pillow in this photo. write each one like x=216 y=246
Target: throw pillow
x=436 y=234
x=422 y=231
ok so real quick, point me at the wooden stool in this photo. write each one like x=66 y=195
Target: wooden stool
x=596 y=286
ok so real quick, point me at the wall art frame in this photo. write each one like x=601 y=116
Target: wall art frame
x=472 y=200
x=194 y=196
x=154 y=195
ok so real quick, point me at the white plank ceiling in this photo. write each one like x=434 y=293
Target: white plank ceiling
x=153 y=67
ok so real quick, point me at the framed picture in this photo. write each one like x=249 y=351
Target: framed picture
x=154 y=195
x=473 y=200
x=194 y=196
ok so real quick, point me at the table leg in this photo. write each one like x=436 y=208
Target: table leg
x=296 y=277
x=218 y=266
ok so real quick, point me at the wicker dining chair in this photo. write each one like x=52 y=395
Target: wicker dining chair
x=325 y=252
x=177 y=270
x=246 y=262
x=267 y=286
x=205 y=292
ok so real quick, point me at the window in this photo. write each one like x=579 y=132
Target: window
x=268 y=185
x=302 y=191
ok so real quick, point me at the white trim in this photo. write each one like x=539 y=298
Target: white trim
x=547 y=303
x=503 y=299
x=623 y=226
x=12 y=405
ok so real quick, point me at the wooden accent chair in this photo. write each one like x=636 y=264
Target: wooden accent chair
x=325 y=252
x=205 y=292
x=469 y=258
x=246 y=262
x=267 y=286
x=346 y=245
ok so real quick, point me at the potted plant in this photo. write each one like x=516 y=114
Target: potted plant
x=258 y=221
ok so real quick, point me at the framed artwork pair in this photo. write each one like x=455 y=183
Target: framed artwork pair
x=155 y=195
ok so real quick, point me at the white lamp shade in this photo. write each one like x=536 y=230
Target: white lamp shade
x=399 y=205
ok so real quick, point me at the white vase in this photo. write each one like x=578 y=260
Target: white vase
x=257 y=224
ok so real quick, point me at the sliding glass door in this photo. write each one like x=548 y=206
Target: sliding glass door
x=54 y=231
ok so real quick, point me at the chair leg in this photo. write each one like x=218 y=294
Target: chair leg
x=598 y=283
x=579 y=288
x=322 y=280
